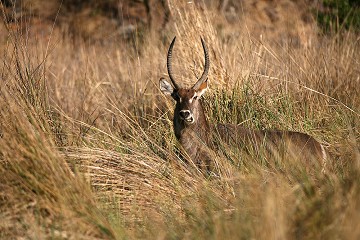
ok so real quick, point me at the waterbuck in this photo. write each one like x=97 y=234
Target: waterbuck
x=195 y=133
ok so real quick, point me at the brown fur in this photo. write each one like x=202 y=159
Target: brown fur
x=196 y=138
x=294 y=145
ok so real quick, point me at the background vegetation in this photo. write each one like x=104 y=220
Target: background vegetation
x=337 y=14
x=86 y=142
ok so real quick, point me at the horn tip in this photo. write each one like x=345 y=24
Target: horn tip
x=203 y=42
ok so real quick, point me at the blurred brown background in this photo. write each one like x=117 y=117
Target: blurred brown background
x=123 y=19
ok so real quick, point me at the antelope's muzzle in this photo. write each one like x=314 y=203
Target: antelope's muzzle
x=186 y=116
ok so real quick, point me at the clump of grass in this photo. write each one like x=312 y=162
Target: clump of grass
x=40 y=196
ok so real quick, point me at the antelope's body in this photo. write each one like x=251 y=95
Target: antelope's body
x=195 y=134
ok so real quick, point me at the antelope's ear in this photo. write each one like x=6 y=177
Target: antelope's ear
x=202 y=89
x=166 y=87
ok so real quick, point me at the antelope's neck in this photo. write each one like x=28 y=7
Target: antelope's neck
x=191 y=133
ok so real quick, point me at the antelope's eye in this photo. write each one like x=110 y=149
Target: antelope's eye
x=176 y=96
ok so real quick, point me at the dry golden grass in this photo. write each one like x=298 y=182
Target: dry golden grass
x=87 y=149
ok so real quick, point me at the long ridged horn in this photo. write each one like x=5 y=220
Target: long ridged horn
x=206 y=68
x=169 y=55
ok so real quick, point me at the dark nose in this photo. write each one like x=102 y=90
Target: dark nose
x=184 y=114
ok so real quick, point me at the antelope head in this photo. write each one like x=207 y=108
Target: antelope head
x=188 y=107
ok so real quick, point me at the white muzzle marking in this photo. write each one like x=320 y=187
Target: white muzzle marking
x=186 y=116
